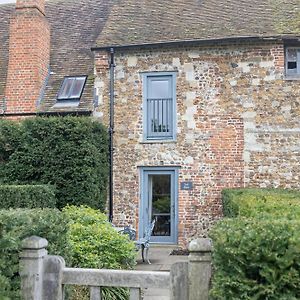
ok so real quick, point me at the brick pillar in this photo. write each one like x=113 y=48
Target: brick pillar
x=29 y=56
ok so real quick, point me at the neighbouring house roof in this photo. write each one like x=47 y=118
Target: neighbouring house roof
x=74 y=25
x=143 y=22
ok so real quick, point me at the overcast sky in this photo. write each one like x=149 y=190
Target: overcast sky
x=7 y=1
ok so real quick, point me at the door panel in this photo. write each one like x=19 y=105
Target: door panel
x=159 y=203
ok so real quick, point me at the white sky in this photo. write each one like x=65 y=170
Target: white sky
x=7 y=1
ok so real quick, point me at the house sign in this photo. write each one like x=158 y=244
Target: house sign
x=186 y=185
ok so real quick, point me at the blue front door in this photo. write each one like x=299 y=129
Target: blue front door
x=158 y=202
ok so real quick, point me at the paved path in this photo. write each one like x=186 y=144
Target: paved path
x=160 y=261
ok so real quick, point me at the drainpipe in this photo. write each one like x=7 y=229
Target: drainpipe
x=111 y=132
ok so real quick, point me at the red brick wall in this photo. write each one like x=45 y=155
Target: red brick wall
x=39 y=4
x=29 y=55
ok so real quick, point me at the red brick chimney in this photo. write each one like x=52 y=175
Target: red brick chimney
x=29 y=57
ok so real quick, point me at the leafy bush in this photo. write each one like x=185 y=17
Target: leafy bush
x=68 y=152
x=255 y=202
x=96 y=244
x=256 y=259
x=17 y=224
x=27 y=196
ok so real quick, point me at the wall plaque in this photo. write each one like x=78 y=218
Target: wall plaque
x=186 y=185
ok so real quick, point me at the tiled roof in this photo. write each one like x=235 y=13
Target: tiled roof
x=75 y=25
x=134 y=22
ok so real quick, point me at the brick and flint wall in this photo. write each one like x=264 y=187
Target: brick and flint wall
x=237 y=125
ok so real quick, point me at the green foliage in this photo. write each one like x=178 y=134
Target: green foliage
x=68 y=152
x=10 y=139
x=96 y=244
x=256 y=251
x=261 y=202
x=162 y=204
x=17 y=224
x=27 y=196
x=256 y=259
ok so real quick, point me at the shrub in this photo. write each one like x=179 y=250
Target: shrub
x=17 y=224
x=96 y=244
x=255 y=202
x=68 y=152
x=27 y=196
x=256 y=259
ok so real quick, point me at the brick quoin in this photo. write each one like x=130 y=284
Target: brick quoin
x=29 y=57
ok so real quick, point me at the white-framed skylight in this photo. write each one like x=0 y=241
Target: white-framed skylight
x=71 y=88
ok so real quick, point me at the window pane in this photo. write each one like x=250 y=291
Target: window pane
x=160 y=106
x=71 y=88
x=160 y=115
x=77 y=87
x=161 y=204
x=292 y=55
x=292 y=65
x=159 y=89
x=66 y=88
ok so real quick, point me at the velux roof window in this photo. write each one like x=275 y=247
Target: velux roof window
x=71 y=88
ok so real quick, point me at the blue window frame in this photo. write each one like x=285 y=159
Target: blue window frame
x=159 y=106
x=292 y=62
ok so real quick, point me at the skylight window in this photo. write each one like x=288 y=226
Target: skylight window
x=71 y=88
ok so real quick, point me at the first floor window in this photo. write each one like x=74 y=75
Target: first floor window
x=292 y=61
x=159 y=106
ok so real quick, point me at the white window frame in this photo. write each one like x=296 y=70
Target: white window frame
x=149 y=135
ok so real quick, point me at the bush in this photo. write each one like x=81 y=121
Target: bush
x=96 y=244
x=15 y=225
x=68 y=152
x=27 y=196
x=255 y=202
x=256 y=259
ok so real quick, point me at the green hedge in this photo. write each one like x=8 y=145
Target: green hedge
x=255 y=202
x=68 y=152
x=256 y=259
x=15 y=225
x=27 y=196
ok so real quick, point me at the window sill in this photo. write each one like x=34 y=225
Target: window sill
x=290 y=77
x=158 y=142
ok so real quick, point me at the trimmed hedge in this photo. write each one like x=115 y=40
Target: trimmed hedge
x=27 y=196
x=256 y=259
x=17 y=224
x=256 y=251
x=68 y=152
x=255 y=202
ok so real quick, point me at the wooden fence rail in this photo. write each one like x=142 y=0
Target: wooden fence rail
x=43 y=276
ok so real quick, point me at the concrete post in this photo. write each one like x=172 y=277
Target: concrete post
x=31 y=267
x=179 y=281
x=52 y=277
x=199 y=268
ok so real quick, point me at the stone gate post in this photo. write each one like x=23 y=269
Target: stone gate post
x=199 y=268
x=31 y=267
